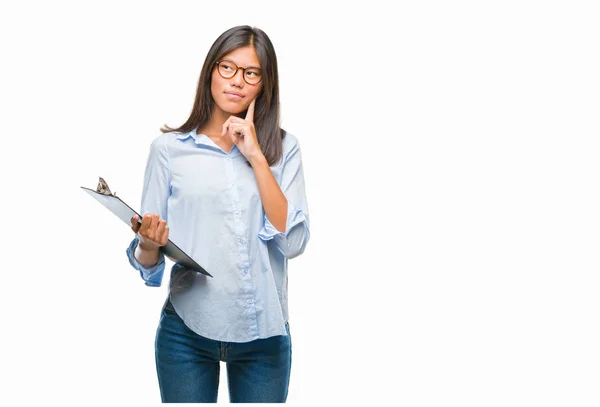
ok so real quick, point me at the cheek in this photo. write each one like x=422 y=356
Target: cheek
x=215 y=85
x=212 y=90
x=217 y=81
x=256 y=92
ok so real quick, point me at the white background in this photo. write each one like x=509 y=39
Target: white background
x=451 y=161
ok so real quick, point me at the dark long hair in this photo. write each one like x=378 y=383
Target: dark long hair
x=266 y=109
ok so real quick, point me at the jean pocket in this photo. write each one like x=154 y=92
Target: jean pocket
x=168 y=307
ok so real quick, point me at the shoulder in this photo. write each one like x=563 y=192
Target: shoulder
x=290 y=145
x=161 y=146
x=290 y=151
x=162 y=141
x=289 y=140
x=166 y=138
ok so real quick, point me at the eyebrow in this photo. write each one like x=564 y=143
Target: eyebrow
x=231 y=60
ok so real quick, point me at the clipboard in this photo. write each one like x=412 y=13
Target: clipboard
x=125 y=213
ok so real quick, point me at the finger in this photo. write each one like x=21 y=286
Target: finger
x=165 y=236
x=160 y=229
x=238 y=129
x=146 y=230
x=233 y=133
x=234 y=138
x=146 y=222
x=250 y=112
x=135 y=225
x=225 y=127
x=153 y=227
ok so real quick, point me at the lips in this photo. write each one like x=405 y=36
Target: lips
x=234 y=94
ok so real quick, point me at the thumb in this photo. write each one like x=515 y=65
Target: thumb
x=135 y=225
x=250 y=111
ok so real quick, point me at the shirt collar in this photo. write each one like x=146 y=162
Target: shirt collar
x=198 y=138
x=203 y=139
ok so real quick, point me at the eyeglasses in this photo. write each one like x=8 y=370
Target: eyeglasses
x=227 y=69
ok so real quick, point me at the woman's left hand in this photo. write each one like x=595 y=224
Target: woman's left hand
x=243 y=134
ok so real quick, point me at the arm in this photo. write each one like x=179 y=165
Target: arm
x=152 y=233
x=273 y=200
x=286 y=210
x=147 y=259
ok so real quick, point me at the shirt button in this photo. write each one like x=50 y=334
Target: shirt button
x=241 y=240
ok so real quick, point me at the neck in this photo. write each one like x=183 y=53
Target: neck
x=215 y=125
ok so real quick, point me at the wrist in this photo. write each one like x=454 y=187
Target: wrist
x=147 y=258
x=147 y=247
x=258 y=159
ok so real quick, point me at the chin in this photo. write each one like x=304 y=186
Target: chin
x=232 y=108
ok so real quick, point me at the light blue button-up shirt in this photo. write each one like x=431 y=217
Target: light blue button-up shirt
x=212 y=206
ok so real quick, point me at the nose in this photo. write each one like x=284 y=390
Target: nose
x=238 y=78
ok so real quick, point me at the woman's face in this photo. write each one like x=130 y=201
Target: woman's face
x=233 y=95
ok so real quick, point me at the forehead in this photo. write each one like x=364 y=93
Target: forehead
x=244 y=56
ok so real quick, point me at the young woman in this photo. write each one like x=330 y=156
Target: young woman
x=227 y=187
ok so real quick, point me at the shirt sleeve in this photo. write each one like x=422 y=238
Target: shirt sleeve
x=292 y=242
x=153 y=275
x=155 y=194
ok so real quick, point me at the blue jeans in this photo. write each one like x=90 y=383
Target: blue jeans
x=188 y=365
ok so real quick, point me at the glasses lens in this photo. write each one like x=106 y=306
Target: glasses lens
x=227 y=69
x=253 y=76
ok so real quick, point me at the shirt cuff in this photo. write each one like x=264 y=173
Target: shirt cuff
x=153 y=275
x=294 y=217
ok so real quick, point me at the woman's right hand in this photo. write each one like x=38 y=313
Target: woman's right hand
x=152 y=233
